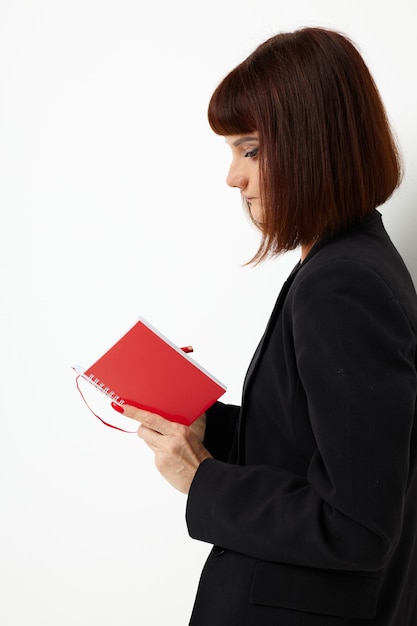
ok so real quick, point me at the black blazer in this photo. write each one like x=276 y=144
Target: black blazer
x=311 y=498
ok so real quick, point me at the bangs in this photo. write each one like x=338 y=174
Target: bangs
x=230 y=110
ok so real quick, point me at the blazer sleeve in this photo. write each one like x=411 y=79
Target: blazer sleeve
x=221 y=428
x=355 y=354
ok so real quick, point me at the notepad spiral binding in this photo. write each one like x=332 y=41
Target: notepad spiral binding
x=116 y=400
x=102 y=387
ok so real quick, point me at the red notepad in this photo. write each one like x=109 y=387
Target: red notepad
x=146 y=370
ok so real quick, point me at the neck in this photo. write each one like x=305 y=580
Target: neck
x=305 y=250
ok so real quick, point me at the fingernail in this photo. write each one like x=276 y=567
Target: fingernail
x=117 y=407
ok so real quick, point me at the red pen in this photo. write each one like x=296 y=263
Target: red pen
x=187 y=349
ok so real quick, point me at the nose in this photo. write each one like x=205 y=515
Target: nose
x=236 y=177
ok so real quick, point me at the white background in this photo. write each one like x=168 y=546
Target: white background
x=113 y=205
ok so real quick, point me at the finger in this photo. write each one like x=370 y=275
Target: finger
x=151 y=420
x=140 y=415
x=151 y=437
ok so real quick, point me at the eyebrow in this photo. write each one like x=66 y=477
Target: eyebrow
x=245 y=140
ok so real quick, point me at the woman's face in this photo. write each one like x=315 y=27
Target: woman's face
x=244 y=171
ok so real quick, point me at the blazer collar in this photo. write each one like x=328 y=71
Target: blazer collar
x=370 y=218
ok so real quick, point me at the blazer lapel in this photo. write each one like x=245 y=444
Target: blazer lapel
x=239 y=452
x=270 y=325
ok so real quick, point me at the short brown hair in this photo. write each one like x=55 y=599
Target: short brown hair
x=327 y=154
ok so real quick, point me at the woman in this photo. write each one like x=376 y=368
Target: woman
x=308 y=491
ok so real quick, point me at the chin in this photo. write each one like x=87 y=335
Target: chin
x=256 y=216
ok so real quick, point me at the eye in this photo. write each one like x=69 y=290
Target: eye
x=251 y=154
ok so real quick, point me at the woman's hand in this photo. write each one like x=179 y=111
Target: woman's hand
x=199 y=427
x=178 y=449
